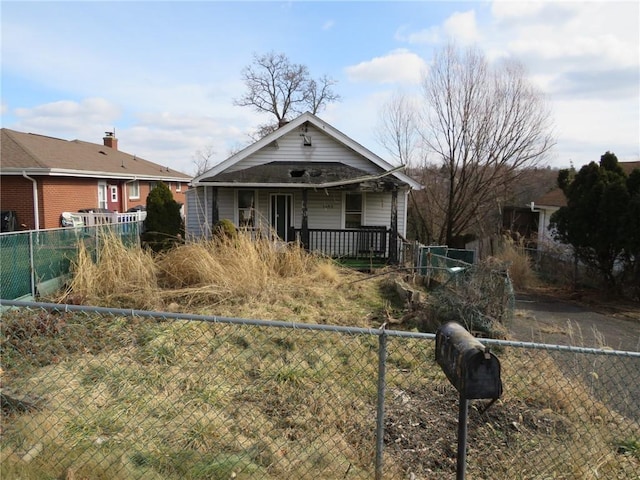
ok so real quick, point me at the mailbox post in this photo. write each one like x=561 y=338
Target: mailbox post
x=473 y=370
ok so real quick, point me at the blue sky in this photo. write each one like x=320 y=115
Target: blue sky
x=164 y=74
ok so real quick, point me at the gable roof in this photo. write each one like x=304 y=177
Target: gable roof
x=41 y=155
x=334 y=133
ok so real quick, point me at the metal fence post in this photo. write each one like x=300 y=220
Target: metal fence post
x=462 y=438
x=382 y=368
x=32 y=264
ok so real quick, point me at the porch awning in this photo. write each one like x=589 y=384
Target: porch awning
x=302 y=175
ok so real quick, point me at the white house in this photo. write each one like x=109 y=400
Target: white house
x=307 y=182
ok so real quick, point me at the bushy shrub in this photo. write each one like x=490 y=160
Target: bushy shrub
x=163 y=225
x=225 y=228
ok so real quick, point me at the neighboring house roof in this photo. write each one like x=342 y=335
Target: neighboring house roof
x=629 y=167
x=35 y=154
x=315 y=174
x=556 y=198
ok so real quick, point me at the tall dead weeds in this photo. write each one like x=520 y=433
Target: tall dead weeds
x=236 y=270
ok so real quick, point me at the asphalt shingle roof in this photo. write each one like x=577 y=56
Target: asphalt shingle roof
x=33 y=152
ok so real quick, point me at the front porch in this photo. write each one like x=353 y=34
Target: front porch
x=362 y=248
x=364 y=244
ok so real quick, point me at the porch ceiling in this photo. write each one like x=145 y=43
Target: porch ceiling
x=299 y=174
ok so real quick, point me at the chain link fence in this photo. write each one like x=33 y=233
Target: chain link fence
x=104 y=393
x=35 y=262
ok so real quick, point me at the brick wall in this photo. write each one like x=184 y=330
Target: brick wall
x=65 y=194
x=145 y=189
x=16 y=193
x=62 y=194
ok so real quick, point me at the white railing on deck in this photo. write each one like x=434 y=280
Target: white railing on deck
x=90 y=218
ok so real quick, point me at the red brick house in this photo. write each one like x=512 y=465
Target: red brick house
x=41 y=177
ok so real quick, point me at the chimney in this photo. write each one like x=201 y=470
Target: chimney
x=110 y=140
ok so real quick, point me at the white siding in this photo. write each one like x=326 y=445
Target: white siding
x=196 y=223
x=226 y=204
x=403 y=196
x=377 y=209
x=290 y=148
x=324 y=209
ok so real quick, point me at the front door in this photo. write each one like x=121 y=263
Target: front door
x=102 y=195
x=281 y=215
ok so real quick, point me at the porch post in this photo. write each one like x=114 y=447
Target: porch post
x=304 y=233
x=215 y=215
x=393 y=240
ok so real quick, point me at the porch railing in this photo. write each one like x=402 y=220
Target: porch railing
x=364 y=242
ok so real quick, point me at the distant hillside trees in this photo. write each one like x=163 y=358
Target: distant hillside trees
x=602 y=220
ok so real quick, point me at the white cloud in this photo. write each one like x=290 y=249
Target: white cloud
x=430 y=35
x=502 y=10
x=328 y=25
x=399 y=66
x=64 y=116
x=462 y=27
x=167 y=138
x=585 y=35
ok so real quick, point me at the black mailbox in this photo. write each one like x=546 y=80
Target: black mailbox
x=468 y=364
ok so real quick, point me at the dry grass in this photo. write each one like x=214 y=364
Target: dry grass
x=121 y=277
x=199 y=400
x=213 y=274
x=514 y=254
x=239 y=268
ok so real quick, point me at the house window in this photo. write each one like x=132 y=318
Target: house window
x=178 y=186
x=152 y=185
x=134 y=190
x=113 y=191
x=353 y=210
x=246 y=208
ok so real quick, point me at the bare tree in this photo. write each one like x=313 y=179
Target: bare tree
x=397 y=128
x=281 y=88
x=485 y=125
x=203 y=159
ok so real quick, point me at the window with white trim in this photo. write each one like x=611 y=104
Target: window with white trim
x=113 y=191
x=246 y=208
x=352 y=210
x=134 y=190
x=178 y=186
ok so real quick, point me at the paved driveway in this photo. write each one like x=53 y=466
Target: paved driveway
x=541 y=318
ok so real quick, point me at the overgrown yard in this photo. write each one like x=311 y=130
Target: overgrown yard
x=110 y=397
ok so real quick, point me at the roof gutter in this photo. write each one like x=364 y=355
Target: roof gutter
x=36 y=211
x=53 y=172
